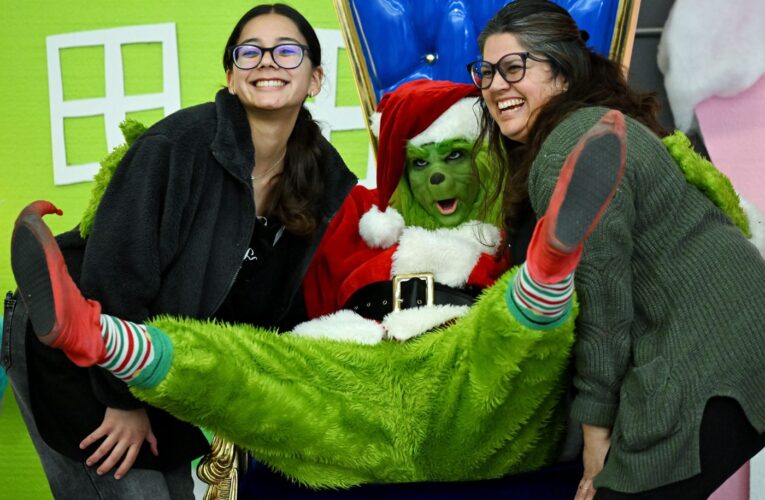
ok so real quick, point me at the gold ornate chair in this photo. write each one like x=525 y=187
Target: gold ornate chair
x=391 y=42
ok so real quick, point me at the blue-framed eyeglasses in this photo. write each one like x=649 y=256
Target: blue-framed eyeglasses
x=284 y=55
x=511 y=67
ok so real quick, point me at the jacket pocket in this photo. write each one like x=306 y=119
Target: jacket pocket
x=5 y=346
x=649 y=408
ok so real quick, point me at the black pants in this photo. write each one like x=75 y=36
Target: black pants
x=727 y=441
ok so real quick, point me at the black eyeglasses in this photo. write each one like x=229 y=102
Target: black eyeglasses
x=284 y=55
x=511 y=67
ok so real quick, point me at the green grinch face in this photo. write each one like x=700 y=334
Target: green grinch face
x=442 y=180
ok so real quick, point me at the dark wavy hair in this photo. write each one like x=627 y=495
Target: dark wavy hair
x=295 y=199
x=548 y=30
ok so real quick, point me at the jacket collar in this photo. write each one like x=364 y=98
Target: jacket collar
x=232 y=144
x=232 y=147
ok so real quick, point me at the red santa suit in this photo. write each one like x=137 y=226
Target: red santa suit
x=364 y=245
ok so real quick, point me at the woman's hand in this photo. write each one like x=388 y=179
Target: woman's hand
x=597 y=441
x=124 y=432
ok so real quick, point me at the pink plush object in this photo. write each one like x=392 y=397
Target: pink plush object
x=734 y=134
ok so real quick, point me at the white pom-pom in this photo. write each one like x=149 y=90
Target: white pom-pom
x=381 y=229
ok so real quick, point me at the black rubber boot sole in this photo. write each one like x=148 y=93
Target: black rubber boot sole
x=593 y=179
x=30 y=269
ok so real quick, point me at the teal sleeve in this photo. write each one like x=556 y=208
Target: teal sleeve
x=476 y=399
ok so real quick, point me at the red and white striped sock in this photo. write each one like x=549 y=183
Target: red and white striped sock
x=542 y=303
x=128 y=347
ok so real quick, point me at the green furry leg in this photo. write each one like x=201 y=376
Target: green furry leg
x=477 y=399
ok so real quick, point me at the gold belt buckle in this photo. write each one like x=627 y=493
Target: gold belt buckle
x=400 y=278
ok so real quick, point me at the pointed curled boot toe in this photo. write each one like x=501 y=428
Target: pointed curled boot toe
x=61 y=317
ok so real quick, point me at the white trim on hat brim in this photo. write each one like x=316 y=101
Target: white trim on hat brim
x=463 y=119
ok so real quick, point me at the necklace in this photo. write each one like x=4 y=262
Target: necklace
x=271 y=169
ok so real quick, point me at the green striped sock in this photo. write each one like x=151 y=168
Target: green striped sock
x=135 y=353
x=539 y=305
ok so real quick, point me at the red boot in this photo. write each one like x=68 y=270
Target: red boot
x=61 y=317
x=585 y=187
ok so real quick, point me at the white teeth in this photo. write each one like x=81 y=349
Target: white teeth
x=269 y=83
x=509 y=103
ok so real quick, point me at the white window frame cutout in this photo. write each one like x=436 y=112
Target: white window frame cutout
x=324 y=109
x=115 y=104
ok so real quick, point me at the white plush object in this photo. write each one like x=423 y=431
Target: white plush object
x=407 y=323
x=462 y=119
x=710 y=48
x=381 y=229
x=450 y=254
x=343 y=325
x=756 y=225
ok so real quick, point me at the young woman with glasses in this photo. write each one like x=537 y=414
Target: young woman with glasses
x=670 y=352
x=214 y=212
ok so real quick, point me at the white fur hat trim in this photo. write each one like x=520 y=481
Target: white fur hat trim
x=381 y=229
x=343 y=325
x=463 y=119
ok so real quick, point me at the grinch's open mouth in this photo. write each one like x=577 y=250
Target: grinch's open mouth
x=447 y=207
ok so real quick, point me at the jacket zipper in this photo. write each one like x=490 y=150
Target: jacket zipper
x=239 y=266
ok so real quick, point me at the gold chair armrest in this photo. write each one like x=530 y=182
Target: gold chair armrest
x=220 y=469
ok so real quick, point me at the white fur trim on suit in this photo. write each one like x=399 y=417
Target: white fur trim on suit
x=463 y=119
x=407 y=323
x=756 y=224
x=450 y=254
x=343 y=325
x=381 y=229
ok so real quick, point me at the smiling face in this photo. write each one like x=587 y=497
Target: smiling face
x=442 y=180
x=513 y=105
x=267 y=86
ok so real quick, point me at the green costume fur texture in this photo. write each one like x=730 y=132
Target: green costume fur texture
x=714 y=184
x=476 y=399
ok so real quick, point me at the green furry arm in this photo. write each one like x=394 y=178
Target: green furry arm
x=131 y=130
x=473 y=400
x=705 y=176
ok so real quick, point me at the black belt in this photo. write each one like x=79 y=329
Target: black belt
x=376 y=300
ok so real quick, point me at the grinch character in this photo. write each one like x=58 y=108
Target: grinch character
x=476 y=398
x=428 y=224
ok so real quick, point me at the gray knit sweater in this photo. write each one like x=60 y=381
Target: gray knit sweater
x=672 y=301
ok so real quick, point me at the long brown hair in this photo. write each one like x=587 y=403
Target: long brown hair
x=548 y=31
x=295 y=198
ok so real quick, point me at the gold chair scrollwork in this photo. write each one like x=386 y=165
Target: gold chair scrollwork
x=220 y=469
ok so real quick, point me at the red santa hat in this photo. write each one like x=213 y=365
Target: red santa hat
x=421 y=112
